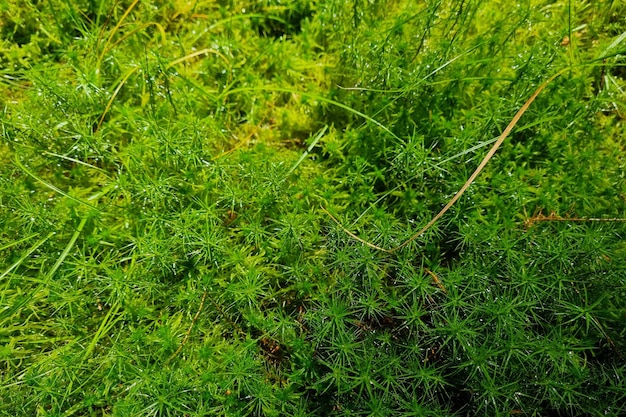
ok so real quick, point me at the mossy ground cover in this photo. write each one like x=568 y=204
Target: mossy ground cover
x=165 y=172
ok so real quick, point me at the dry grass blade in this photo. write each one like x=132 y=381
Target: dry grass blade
x=352 y=235
x=106 y=48
x=469 y=181
x=117 y=90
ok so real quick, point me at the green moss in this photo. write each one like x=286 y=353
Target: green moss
x=163 y=250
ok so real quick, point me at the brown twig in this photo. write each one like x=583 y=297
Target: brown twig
x=436 y=280
x=195 y=318
x=553 y=217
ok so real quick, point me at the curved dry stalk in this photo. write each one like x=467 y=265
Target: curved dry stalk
x=469 y=181
x=195 y=319
x=352 y=235
x=110 y=103
x=198 y=53
x=115 y=29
